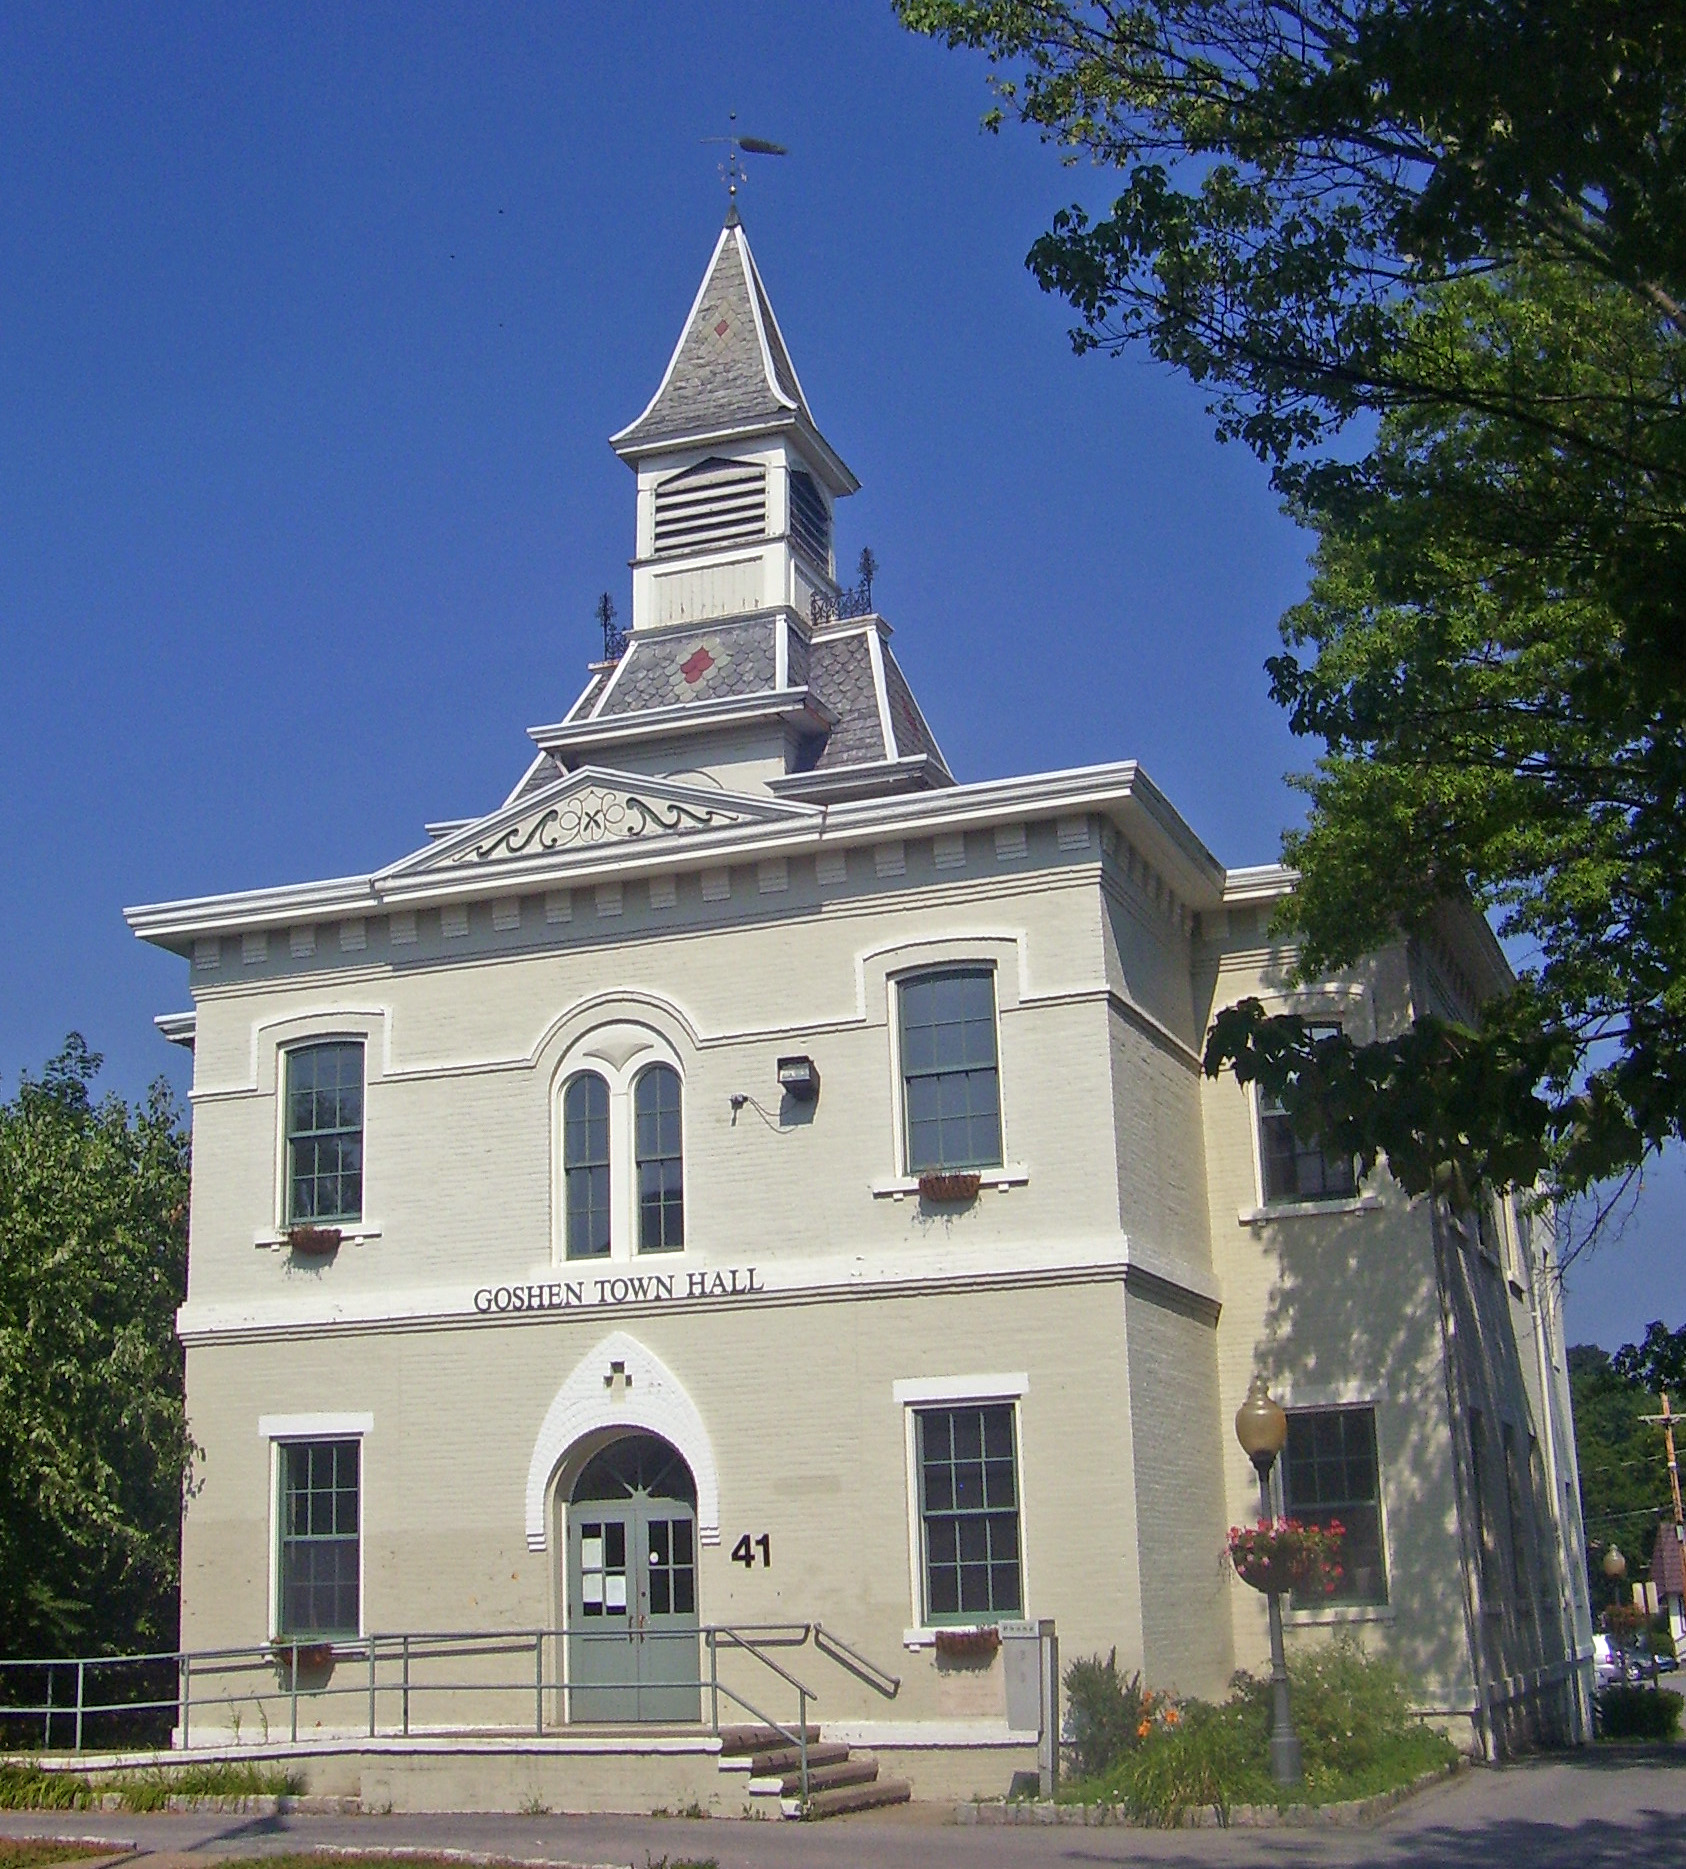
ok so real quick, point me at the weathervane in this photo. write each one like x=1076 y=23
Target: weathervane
x=737 y=147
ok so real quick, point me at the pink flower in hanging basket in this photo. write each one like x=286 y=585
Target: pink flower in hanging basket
x=1279 y=1556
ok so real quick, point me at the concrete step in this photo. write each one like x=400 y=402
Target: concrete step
x=736 y=1741
x=860 y=1768
x=835 y=1802
x=788 y=1759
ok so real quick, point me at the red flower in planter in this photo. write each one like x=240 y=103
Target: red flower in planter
x=1281 y=1555
x=314 y=1242
x=968 y=1644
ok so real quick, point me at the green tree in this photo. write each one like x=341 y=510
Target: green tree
x=1624 y=1477
x=1658 y=1364
x=94 y=1448
x=1464 y=220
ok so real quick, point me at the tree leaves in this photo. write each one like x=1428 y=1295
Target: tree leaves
x=94 y=1450
x=1466 y=221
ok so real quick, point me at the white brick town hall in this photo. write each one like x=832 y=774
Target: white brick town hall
x=751 y=1176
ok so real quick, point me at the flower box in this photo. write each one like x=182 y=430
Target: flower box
x=968 y=1644
x=951 y=1189
x=310 y=1657
x=314 y=1242
x=1278 y=1556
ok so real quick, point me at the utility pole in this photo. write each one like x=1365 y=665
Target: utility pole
x=1666 y=1422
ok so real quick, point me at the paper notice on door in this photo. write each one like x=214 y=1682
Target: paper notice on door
x=591 y=1591
x=616 y=1593
x=591 y=1553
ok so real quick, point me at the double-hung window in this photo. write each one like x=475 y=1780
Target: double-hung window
x=950 y=1079
x=325 y=1132
x=585 y=1165
x=659 y=1156
x=1295 y=1170
x=321 y=1555
x=969 y=1512
x=1331 y=1475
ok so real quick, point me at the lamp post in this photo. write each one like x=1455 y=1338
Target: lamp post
x=1262 y=1429
x=1614 y=1567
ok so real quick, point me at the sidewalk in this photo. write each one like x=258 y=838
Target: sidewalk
x=1578 y=1813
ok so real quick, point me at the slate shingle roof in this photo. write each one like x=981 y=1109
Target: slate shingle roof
x=912 y=733
x=730 y=369
x=719 y=660
x=840 y=673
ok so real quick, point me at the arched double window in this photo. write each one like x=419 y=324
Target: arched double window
x=623 y=1163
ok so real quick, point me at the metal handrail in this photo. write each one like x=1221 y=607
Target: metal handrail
x=403 y=1648
x=859 y=1665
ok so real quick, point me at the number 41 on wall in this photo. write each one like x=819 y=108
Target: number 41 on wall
x=743 y=1552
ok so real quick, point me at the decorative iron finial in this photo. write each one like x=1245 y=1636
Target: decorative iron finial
x=866 y=568
x=732 y=169
x=614 y=637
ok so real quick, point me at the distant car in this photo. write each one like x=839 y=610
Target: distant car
x=1607 y=1664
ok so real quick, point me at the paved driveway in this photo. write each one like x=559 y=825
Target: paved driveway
x=1598 y=1812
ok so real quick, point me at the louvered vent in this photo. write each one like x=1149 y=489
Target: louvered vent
x=716 y=502
x=810 y=523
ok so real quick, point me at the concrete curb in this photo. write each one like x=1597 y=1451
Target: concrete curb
x=1241 y=1816
x=254 y=1804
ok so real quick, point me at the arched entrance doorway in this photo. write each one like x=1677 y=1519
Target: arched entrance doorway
x=632 y=1585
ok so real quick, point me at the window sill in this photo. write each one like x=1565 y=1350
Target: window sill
x=1008 y=1175
x=351 y=1234
x=1337 y=1614
x=1308 y=1210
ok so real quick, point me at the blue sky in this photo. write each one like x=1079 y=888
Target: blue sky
x=313 y=324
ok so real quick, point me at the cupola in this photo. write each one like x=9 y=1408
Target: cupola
x=736 y=484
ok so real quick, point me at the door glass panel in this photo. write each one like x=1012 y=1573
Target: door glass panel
x=603 y=1569
x=673 y=1577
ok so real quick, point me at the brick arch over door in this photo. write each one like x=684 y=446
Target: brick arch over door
x=650 y=1397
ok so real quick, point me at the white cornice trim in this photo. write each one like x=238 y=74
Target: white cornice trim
x=178 y=1027
x=1121 y=790
x=1259 y=882
x=656 y=723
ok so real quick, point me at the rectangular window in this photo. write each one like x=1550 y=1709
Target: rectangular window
x=969 y=1512
x=320 y=1519
x=1516 y=1514
x=1331 y=1474
x=1296 y=1170
x=949 y=1078
x=1478 y=1504
x=325 y=1133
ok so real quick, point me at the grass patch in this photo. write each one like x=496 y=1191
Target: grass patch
x=1357 y=1737
x=36 y=1852
x=29 y=1788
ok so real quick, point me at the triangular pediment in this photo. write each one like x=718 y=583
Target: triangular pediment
x=595 y=809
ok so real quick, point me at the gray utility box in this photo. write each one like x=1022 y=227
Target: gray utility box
x=1021 y=1667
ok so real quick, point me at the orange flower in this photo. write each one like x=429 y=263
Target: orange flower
x=1144 y=1729
x=1172 y=1716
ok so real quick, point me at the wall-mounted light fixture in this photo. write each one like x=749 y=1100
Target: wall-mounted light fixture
x=799 y=1078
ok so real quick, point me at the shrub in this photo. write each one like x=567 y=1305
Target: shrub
x=1638 y=1713
x=1352 y=1713
x=1104 y=1709
x=1206 y=1759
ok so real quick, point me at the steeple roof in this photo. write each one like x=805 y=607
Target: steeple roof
x=730 y=375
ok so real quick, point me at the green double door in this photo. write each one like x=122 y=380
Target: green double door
x=632 y=1589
